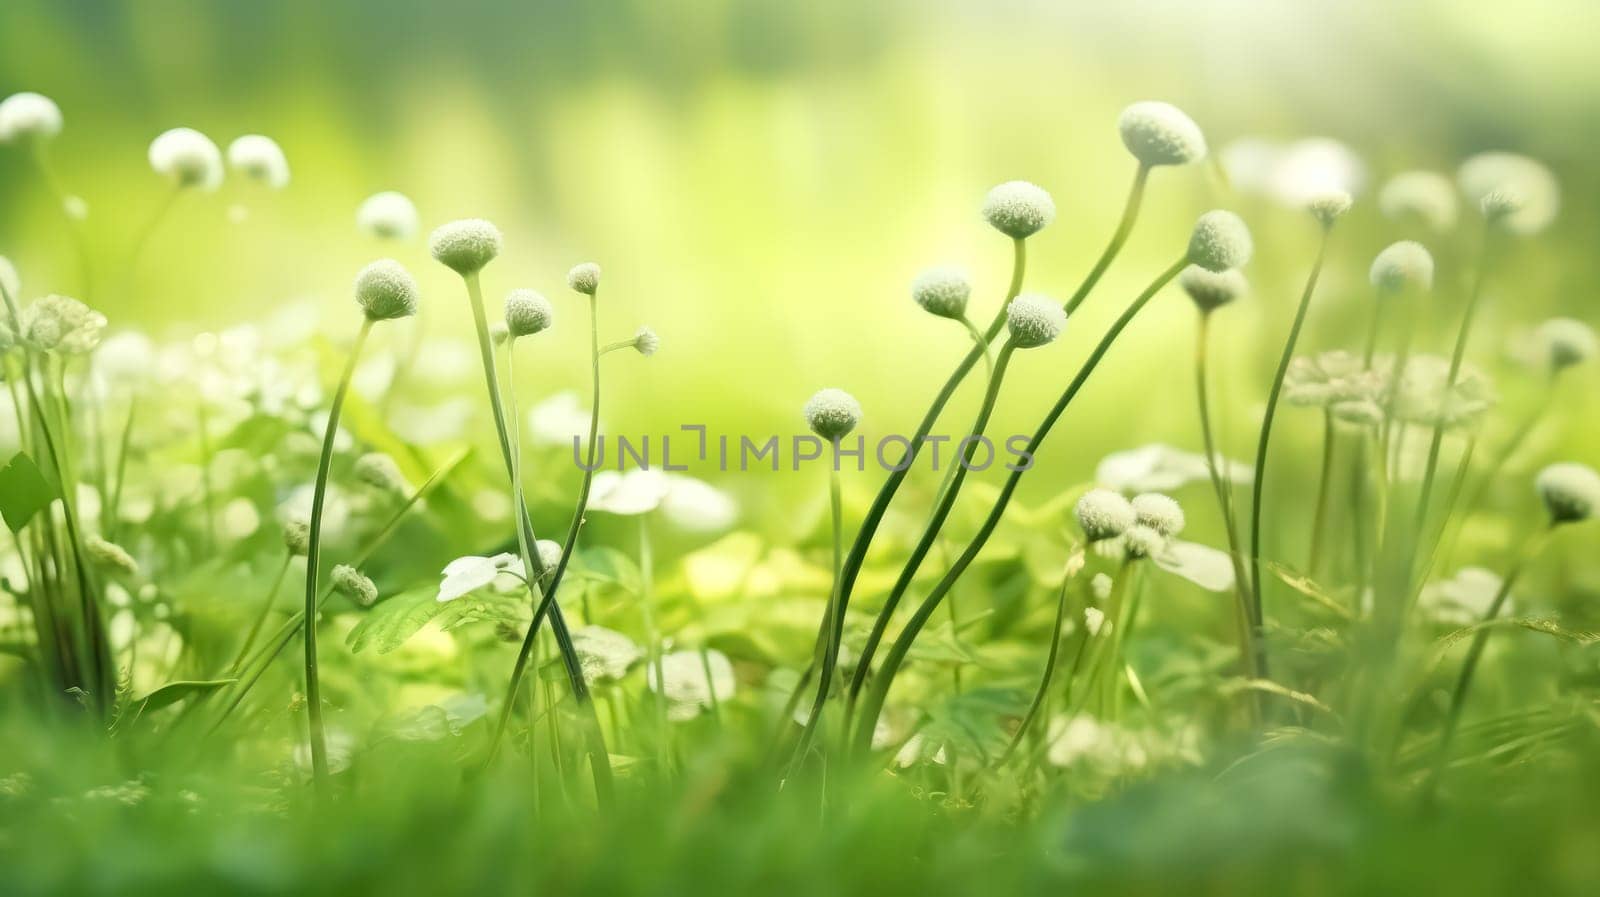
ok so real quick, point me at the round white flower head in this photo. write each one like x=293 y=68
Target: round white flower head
x=297 y=535
x=832 y=413
x=1160 y=134
x=1327 y=206
x=527 y=313
x=549 y=554
x=387 y=216
x=1035 y=320
x=1499 y=205
x=188 y=158
x=499 y=333
x=110 y=555
x=1423 y=195
x=353 y=584
x=646 y=342
x=1570 y=491
x=1019 y=209
x=1402 y=266
x=1528 y=180
x=260 y=159
x=605 y=654
x=1159 y=512
x=1211 y=290
x=1142 y=541
x=942 y=291
x=61 y=325
x=1220 y=241
x=584 y=278
x=380 y=471
x=385 y=290
x=465 y=246
x=28 y=116
x=1567 y=341
x=1104 y=514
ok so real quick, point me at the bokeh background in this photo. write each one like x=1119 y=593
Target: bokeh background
x=761 y=180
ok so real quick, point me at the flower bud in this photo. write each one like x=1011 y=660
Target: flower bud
x=110 y=555
x=1406 y=265
x=1530 y=195
x=28 y=116
x=646 y=342
x=61 y=325
x=1142 y=541
x=188 y=158
x=387 y=216
x=499 y=333
x=1034 y=320
x=465 y=246
x=385 y=291
x=1570 y=491
x=1160 y=134
x=1159 y=512
x=832 y=413
x=527 y=313
x=1423 y=195
x=1327 y=206
x=1104 y=514
x=1567 y=341
x=353 y=584
x=584 y=278
x=549 y=554
x=297 y=536
x=1211 y=290
x=1019 y=209
x=1220 y=241
x=379 y=471
x=942 y=291
x=259 y=159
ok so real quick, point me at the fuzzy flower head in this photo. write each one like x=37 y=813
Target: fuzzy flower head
x=380 y=471
x=1567 y=342
x=1141 y=541
x=297 y=536
x=1401 y=267
x=1424 y=196
x=527 y=313
x=1019 y=209
x=549 y=552
x=1034 y=320
x=465 y=246
x=1161 y=134
x=499 y=333
x=584 y=278
x=942 y=291
x=1220 y=241
x=188 y=158
x=110 y=555
x=61 y=325
x=605 y=654
x=259 y=159
x=832 y=413
x=1159 y=512
x=1104 y=514
x=353 y=584
x=387 y=216
x=1328 y=378
x=1570 y=491
x=1526 y=195
x=28 y=116
x=646 y=342
x=1210 y=290
x=1328 y=206
x=385 y=290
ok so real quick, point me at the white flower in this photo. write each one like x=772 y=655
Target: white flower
x=1424 y=195
x=1537 y=194
x=1094 y=619
x=1295 y=173
x=604 y=654
x=259 y=159
x=188 y=158
x=1463 y=599
x=697 y=506
x=28 y=116
x=628 y=494
x=387 y=216
x=470 y=573
x=686 y=687
x=1161 y=468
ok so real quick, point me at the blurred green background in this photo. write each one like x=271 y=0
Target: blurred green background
x=761 y=180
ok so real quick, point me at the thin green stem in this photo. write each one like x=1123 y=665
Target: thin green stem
x=914 y=626
x=1319 y=514
x=261 y=616
x=1258 y=490
x=647 y=611
x=319 y=741
x=1130 y=214
x=1057 y=633
x=832 y=622
x=80 y=243
x=981 y=341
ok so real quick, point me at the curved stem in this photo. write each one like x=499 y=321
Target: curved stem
x=47 y=170
x=1258 y=489
x=319 y=741
x=902 y=644
x=981 y=341
x=832 y=626
x=1130 y=214
x=1324 y=482
x=261 y=616
x=142 y=239
x=533 y=569
x=930 y=533
x=1050 y=661
x=1224 y=490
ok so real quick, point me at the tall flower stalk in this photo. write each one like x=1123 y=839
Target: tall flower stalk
x=385 y=291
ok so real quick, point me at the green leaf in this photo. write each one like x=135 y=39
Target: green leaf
x=173 y=692
x=388 y=625
x=24 y=491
